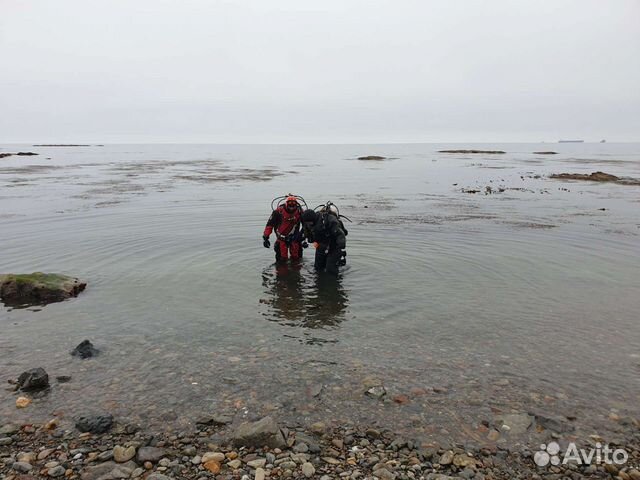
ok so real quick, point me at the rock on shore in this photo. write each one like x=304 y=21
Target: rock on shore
x=38 y=288
x=260 y=433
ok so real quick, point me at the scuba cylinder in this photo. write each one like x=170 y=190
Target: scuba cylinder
x=332 y=208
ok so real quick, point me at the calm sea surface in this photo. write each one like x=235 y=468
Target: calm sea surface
x=462 y=305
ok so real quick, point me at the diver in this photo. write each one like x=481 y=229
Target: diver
x=285 y=222
x=326 y=230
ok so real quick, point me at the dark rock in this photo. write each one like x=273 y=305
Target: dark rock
x=150 y=454
x=555 y=424
x=545 y=153
x=38 y=288
x=85 y=350
x=22 y=154
x=63 y=378
x=596 y=177
x=471 y=151
x=263 y=433
x=372 y=157
x=34 y=379
x=95 y=423
x=216 y=420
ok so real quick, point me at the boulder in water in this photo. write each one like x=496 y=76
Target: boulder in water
x=34 y=379
x=372 y=157
x=263 y=433
x=85 y=349
x=38 y=288
x=95 y=423
x=472 y=151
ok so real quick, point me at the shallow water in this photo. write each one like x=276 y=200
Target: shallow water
x=468 y=304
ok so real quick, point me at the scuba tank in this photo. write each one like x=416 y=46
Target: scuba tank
x=332 y=209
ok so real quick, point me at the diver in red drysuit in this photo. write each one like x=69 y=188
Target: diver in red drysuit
x=285 y=223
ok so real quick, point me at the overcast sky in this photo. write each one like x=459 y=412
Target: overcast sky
x=298 y=71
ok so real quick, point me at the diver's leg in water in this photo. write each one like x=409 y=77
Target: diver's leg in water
x=282 y=252
x=321 y=259
x=333 y=258
x=296 y=250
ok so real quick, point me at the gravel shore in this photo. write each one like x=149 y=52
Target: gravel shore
x=262 y=449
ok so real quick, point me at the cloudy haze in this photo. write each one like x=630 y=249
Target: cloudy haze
x=295 y=71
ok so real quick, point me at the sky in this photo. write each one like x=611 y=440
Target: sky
x=335 y=71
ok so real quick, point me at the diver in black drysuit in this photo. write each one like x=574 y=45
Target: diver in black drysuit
x=327 y=231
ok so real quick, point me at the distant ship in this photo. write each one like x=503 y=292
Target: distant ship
x=570 y=141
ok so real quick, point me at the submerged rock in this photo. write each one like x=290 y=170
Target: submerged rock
x=85 y=349
x=98 y=471
x=372 y=157
x=551 y=422
x=471 y=151
x=38 y=288
x=515 y=423
x=23 y=402
x=94 y=423
x=596 y=177
x=21 y=154
x=34 y=379
x=264 y=432
x=376 y=392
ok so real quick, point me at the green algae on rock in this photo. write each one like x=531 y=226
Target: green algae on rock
x=38 y=288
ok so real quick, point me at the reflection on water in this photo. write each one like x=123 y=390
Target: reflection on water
x=306 y=299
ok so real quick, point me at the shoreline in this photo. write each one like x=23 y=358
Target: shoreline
x=214 y=448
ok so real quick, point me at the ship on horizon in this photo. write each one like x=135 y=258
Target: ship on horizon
x=570 y=141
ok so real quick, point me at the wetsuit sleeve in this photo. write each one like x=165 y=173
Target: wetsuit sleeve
x=273 y=222
x=307 y=233
x=338 y=235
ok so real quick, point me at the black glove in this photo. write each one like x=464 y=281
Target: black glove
x=266 y=242
x=343 y=258
x=304 y=244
